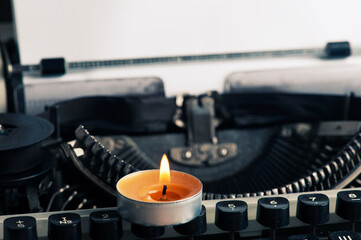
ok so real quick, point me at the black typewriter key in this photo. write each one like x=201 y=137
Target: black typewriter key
x=273 y=212
x=313 y=209
x=195 y=227
x=146 y=232
x=344 y=235
x=105 y=225
x=231 y=216
x=303 y=237
x=348 y=206
x=20 y=228
x=64 y=226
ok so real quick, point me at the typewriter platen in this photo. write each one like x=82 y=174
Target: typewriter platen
x=276 y=146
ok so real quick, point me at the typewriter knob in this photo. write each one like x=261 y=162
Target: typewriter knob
x=348 y=205
x=195 y=227
x=231 y=215
x=273 y=212
x=20 y=228
x=313 y=208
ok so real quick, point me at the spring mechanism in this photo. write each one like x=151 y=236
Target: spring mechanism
x=342 y=171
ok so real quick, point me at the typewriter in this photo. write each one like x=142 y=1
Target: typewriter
x=254 y=100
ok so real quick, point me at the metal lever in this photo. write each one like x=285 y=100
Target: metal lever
x=200 y=115
x=201 y=122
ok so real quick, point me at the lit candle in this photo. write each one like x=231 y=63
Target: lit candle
x=159 y=197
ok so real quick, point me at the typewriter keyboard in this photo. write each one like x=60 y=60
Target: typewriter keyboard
x=333 y=214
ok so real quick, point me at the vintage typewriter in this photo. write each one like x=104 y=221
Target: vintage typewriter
x=268 y=121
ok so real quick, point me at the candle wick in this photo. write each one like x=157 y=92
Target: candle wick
x=164 y=193
x=164 y=190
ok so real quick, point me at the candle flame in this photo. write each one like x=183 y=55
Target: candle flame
x=164 y=173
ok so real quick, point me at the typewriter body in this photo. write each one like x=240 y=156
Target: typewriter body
x=257 y=99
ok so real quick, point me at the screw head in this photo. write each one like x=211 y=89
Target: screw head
x=223 y=151
x=187 y=154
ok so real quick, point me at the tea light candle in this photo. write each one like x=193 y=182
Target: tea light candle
x=159 y=197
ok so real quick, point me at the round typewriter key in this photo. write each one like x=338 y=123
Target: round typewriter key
x=231 y=215
x=64 y=226
x=195 y=227
x=313 y=208
x=105 y=225
x=347 y=235
x=348 y=205
x=146 y=232
x=23 y=228
x=303 y=237
x=273 y=212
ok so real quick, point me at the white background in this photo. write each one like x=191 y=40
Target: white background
x=111 y=29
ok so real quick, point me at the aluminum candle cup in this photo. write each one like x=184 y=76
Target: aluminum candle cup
x=139 y=198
